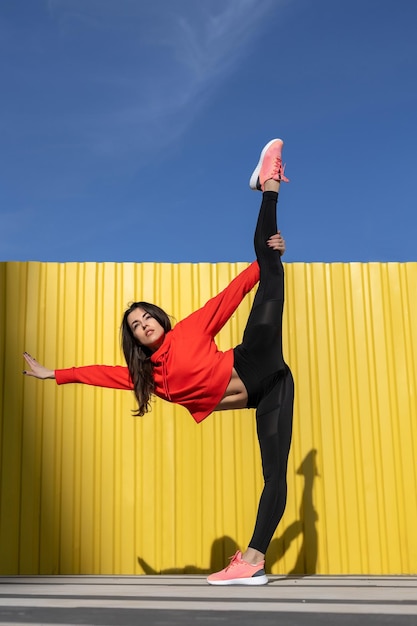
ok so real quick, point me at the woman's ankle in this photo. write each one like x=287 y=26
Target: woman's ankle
x=252 y=556
x=272 y=185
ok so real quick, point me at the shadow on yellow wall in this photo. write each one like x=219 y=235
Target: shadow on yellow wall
x=304 y=527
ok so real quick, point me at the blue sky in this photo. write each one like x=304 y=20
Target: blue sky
x=129 y=129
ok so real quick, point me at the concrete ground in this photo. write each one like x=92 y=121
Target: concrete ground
x=186 y=600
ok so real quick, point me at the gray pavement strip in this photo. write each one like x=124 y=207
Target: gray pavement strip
x=186 y=600
x=146 y=617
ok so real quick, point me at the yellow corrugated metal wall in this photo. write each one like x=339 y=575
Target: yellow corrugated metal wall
x=86 y=488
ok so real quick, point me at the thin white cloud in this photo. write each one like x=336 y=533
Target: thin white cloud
x=184 y=51
x=210 y=43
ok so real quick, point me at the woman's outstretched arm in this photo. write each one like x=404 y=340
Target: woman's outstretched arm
x=109 y=376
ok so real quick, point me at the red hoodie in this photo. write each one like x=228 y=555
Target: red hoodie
x=188 y=368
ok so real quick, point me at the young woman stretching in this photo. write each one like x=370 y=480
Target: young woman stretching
x=184 y=366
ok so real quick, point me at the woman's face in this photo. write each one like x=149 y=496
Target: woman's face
x=146 y=329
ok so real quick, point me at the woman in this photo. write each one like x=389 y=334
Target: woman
x=184 y=366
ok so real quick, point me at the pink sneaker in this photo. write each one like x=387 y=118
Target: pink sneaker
x=239 y=572
x=269 y=166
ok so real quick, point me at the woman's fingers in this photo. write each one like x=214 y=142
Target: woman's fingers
x=277 y=242
x=36 y=369
x=31 y=362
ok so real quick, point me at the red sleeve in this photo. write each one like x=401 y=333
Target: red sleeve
x=217 y=311
x=113 y=376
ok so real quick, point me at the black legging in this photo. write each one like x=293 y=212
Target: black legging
x=260 y=364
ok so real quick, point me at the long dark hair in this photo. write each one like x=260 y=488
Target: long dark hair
x=138 y=357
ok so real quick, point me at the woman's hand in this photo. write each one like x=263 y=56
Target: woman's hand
x=36 y=369
x=277 y=242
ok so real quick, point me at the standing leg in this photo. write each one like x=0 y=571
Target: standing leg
x=274 y=427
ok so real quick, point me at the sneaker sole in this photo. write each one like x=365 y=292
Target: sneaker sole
x=253 y=183
x=254 y=580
